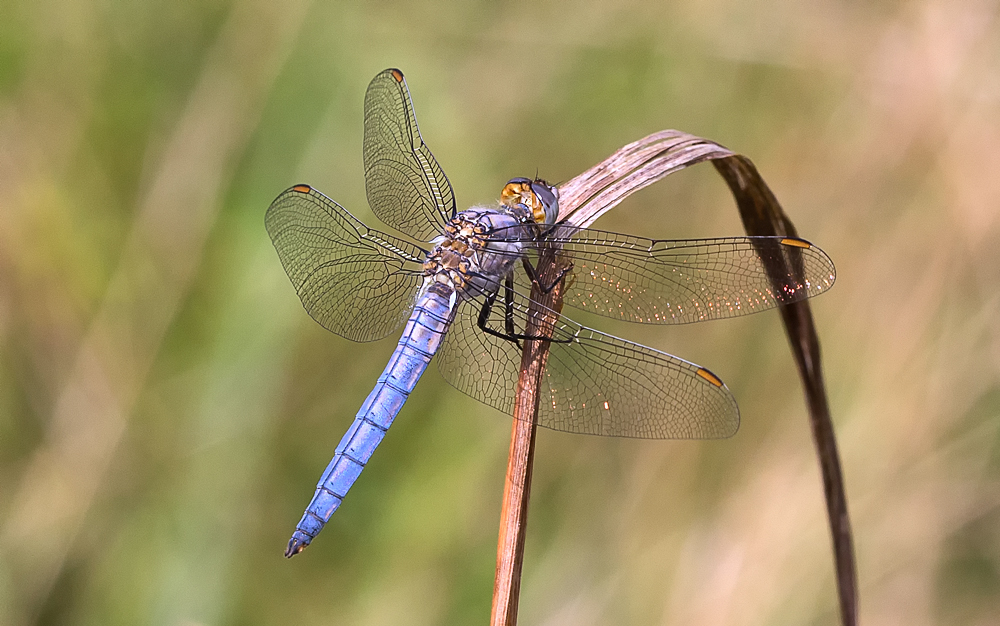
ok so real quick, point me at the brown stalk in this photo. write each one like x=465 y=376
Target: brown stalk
x=582 y=200
x=517 y=486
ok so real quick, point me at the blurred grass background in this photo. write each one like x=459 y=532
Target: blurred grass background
x=166 y=406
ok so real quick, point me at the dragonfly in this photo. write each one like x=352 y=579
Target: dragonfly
x=461 y=285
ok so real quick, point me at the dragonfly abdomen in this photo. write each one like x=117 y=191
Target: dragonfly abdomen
x=421 y=338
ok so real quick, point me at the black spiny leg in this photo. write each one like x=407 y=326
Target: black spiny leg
x=484 y=317
x=508 y=306
x=529 y=269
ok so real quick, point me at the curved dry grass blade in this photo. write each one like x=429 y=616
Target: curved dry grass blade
x=762 y=215
x=582 y=200
x=594 y=192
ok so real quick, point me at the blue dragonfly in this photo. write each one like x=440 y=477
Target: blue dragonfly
x=463 y=294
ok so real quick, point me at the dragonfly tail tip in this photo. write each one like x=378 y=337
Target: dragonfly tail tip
x=295 y=545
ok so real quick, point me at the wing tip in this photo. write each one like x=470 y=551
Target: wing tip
x=795 y=242
x=728 y=424
x=710 y=377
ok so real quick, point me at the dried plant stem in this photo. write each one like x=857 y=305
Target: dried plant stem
x=762 y=215
x=514 y=514
x=582 y=200
x=517 y=487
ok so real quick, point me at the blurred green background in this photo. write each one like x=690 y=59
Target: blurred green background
x=166 y=406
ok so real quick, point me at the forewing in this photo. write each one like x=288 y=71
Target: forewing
x=354 y=281
x=407 y=189
x=593 y=384
x=682 y=281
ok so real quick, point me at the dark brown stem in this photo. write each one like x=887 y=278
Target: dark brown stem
x=762 y=215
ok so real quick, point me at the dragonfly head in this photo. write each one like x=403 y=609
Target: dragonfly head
x=539 y=197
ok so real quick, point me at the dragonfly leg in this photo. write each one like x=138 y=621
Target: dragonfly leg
x=508 y=306
x=508 y=335
x=529 y=269
x=484 y=316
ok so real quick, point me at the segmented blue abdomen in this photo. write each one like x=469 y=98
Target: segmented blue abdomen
x=421 y=339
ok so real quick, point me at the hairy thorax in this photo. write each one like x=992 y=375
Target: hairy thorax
x=465 y=257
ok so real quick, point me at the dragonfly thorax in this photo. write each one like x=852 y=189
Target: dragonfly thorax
x=465 y=257
x=470 y=257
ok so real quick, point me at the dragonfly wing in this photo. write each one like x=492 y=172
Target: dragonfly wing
x=478 y=364
x=407 y=189
x=356 y=282
x=683 y=281
x=594 y=383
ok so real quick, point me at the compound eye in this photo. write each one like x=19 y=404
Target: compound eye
x=549 y=198
x=545 y=192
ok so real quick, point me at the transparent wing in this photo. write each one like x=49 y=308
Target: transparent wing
x=682 y=281
x=354 y=281
x=407 y=189
x=594 y=383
